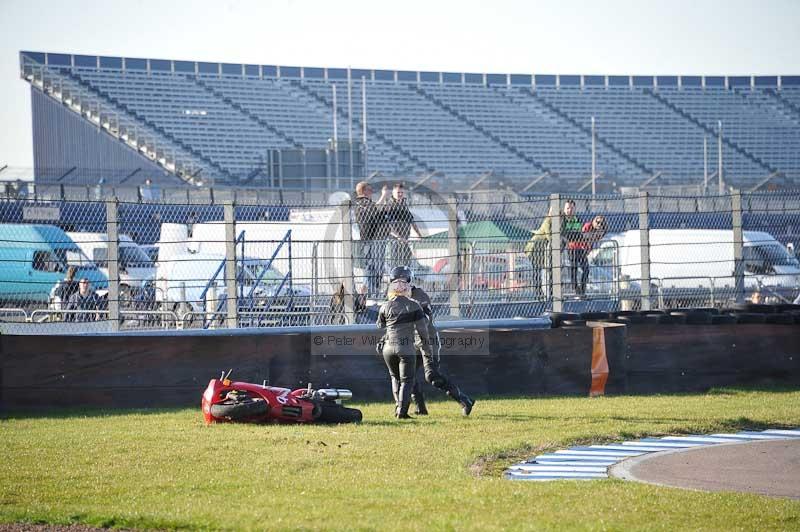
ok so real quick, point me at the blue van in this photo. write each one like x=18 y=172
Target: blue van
x=33 y=258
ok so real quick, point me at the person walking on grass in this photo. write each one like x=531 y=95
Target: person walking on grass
x=429 y=356
x=401 y=317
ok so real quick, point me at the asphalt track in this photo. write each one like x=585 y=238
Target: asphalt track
x=764 y=462
x=769 y=467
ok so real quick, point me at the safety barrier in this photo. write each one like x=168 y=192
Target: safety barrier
x=485 y=357
x=470 y=254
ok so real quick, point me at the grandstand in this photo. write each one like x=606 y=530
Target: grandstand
x=124 y=120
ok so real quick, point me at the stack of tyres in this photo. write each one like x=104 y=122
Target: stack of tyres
x=787 y=314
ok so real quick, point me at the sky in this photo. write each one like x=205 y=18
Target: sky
x=659 y=37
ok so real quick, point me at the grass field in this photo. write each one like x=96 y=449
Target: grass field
x=166 y=469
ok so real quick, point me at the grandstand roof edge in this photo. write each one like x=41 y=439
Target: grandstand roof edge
x=64 y=59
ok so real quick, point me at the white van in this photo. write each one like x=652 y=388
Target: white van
x=135 y=267
x=183 y=279
x=685 y=259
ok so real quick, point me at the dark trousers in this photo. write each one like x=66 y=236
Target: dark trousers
x=400 y=253
x=540 y=259
x=402 y=369
x=374 y=252
x=578 y=259
x=417 y=390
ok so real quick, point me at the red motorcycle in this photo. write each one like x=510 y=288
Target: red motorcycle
x=228 y=401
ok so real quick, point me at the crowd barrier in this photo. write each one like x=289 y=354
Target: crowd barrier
x=486 y=357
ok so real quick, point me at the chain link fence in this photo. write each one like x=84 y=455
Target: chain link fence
x=268 y=261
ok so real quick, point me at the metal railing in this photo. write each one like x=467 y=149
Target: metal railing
x=469 y=255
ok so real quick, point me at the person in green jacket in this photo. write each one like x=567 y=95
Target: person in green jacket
x=538 y=251
x=573 y=239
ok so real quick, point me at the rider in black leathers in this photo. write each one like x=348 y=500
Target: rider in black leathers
x=428 y=354
x=402 y=317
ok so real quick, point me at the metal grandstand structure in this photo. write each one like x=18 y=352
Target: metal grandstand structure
x=187 y=123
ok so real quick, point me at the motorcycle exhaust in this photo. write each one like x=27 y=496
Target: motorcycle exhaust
x=335 y=394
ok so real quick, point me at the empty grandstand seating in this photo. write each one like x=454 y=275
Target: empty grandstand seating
x=527 y=130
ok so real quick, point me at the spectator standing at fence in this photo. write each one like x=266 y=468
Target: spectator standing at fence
x=371 y=220
x=538 y=249
x=66 y=287
x=401 y=222
x=85 y=299
x=593 y=232
x=572 y=239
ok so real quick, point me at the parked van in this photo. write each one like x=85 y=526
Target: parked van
x=182 y=281
x=685 y=259
x=135 y=267
x=33 y=258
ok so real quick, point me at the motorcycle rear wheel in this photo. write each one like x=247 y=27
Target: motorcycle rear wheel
x=334 y=413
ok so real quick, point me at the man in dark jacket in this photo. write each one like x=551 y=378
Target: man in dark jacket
x=67 y=287
x=371 y=220
x=573 y=240
x=429 y=356
x=401 y=222
x=85 y=299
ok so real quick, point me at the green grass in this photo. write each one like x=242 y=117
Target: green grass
x=166 y=469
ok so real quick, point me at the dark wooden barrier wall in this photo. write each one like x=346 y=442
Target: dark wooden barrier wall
x=694 y=358
x=168 y=369
x=517 y=357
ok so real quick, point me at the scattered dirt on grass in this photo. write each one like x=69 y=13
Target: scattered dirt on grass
x=28 y=527
x=493 y=465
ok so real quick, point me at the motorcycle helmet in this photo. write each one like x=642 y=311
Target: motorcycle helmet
x=400 y=272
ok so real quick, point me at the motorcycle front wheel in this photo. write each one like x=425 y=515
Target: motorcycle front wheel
x=240 y=410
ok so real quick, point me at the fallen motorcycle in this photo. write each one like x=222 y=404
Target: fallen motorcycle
x=228 y=401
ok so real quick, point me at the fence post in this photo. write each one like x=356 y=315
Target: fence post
x=347 y=260
x=644 y=249
x=112 y=231
x=454 y=260
x=555 y=250
x=738 y=245
x=231 y=292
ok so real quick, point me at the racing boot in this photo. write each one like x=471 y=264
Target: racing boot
x=403 y=401
x=461 y=398
x=419 y=403
x=396 y=394
x=402 y=411
x=395 y=389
